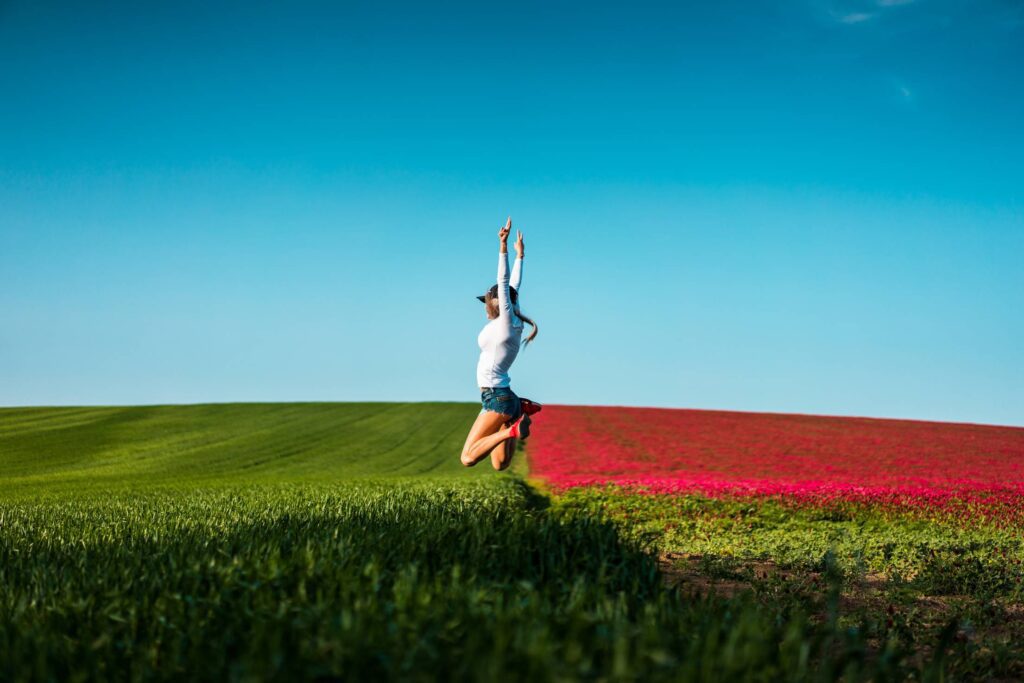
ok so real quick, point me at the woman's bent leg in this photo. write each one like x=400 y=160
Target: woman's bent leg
x=487 y=432
x=501 y=455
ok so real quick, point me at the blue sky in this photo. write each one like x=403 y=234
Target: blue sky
x=774 y=206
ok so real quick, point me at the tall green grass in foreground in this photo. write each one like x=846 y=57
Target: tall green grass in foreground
x=902 y=575
x=344 y=541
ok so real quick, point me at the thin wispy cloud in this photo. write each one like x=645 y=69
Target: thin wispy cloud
x=852 y=13
x=856 y=17
x=901 y=90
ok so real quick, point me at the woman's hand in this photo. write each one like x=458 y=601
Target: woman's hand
x=503 y=232
x=520 y=247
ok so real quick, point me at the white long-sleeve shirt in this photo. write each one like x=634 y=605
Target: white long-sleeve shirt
x=499 y=340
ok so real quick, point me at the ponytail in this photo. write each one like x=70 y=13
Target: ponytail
x=527 y=320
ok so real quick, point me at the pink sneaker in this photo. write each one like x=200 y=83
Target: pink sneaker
x=529 y=407
x=521 y=428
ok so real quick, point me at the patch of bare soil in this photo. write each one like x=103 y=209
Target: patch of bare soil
x=685 y=571
x=864 y=595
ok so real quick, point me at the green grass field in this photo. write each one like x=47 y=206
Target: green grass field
x=57 y=448
x=346 y=542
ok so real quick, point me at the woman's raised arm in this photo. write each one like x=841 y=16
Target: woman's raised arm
x=517 y=266
x=504 y=300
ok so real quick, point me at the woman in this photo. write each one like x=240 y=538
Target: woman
x=504 y=417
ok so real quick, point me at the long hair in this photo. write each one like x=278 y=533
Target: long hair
x=492 y=304
x=533 y=334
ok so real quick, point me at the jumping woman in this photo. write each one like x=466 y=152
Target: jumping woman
x=504 y=417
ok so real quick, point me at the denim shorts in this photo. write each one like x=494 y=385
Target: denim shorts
x=501 y=400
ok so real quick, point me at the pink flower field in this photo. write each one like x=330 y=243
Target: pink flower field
x=972 y=471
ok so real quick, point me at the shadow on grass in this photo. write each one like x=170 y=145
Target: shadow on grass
x=378 y=582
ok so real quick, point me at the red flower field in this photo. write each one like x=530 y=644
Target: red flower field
x=962 y=468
